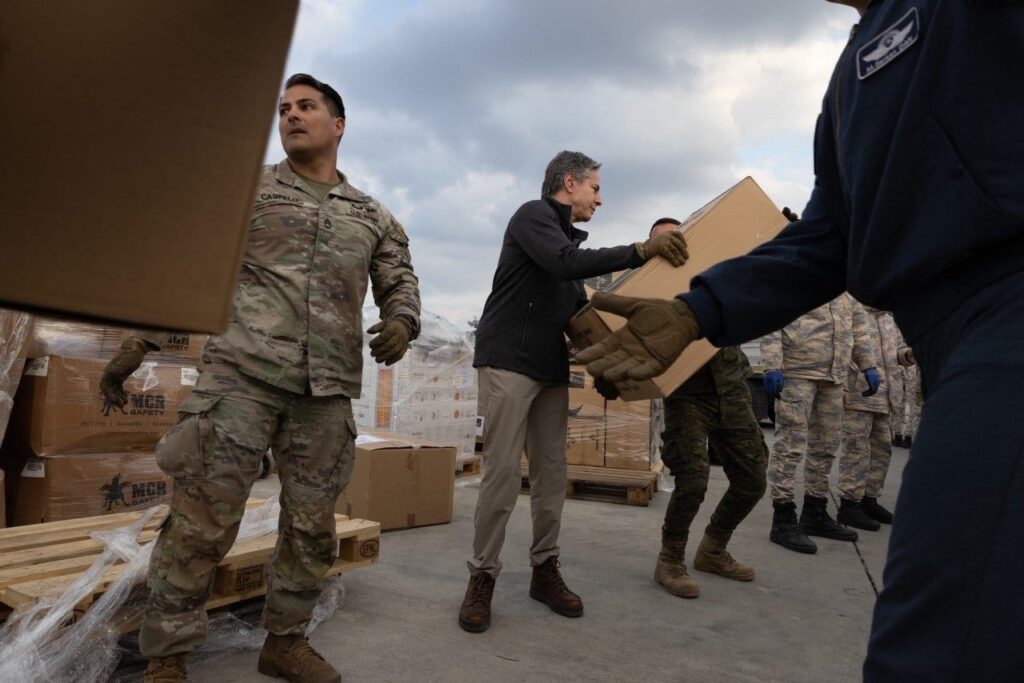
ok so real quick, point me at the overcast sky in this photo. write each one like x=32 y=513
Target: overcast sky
x=455 y=108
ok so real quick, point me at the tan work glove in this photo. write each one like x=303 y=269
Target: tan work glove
x=128 y=359
x=656 y=332
x=669 y=245
x=391 y=342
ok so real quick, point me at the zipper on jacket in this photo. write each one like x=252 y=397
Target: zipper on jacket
x=526 y=325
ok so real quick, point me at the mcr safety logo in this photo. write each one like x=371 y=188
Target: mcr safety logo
x=138 y=404
x=128 y=494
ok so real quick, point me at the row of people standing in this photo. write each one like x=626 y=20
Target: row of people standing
x=836 y=376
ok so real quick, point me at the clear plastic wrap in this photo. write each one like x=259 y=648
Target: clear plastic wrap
x=613 y=434
x=14 y=333
x=40 y=642
x=430 y=394
x=54 y=337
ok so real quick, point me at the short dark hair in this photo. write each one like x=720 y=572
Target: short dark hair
x=565 y=163
x=331 y=96
x=658 y=222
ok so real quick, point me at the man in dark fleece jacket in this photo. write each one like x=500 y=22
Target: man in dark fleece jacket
x=523 y=369
x=918 y=208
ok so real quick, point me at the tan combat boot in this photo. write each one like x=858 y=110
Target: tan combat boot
x=292 y=657
x=713 y=557
x=670 y=571
x=170 y=669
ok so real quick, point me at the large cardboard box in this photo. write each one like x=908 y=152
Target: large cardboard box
x=71 y=486
x=400 y=481
x=730 y=225
x=15 y=327
x=628 y=435
x=585 y=431
x=59 y=408
x=160 y=111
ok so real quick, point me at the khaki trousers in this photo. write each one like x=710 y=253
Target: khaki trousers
x=520 y=414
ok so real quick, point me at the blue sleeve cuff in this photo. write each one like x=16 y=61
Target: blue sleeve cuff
x=705 y=308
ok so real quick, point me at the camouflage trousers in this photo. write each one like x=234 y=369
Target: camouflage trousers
x=213 y=453
x=907 y=415
x=808 y=427
x=867 y=450
x=691 y=420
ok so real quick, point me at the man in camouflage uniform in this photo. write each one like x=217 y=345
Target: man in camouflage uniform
x=867 y=447
x=714 y=405
x=907 y=414
x=282 y=374
x=806 y=364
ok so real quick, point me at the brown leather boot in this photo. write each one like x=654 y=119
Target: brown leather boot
x=713 y=557
x=475 y=613
x=170 y=669
x=548 y=587
x=292 y=657
x=670 y=571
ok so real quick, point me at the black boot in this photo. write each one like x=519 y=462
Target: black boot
x=852 y=514
x=787 y=532
x=875 y=511
x=897 y=440
x=816 y=522
x=908 y=441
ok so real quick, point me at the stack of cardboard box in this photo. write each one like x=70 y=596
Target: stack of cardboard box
x=430 y=394
x=68 y=452
x=604 y=433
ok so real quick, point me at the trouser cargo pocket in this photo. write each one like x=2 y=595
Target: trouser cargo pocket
x=183 y=451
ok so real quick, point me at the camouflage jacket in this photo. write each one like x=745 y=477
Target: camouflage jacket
x=725 y=375
x=820 y=345
x=296 y=321
x=886 y=345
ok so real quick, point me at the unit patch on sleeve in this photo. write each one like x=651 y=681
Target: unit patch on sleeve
x=888 y=45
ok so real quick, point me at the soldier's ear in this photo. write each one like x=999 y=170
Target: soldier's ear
x=339 y=127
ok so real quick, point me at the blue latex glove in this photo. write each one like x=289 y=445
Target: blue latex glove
x=773 y=381
x=871 y=375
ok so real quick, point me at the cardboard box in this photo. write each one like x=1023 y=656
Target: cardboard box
x=59 y=408
x=400 y=481
x=161 y=112
x=71 y=486
x=730 y=225
x=56 y=337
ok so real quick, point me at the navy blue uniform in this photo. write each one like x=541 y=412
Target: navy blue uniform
x=918 y=208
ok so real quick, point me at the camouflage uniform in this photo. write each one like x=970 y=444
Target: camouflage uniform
x=713 y=405
x=909 y=414
x=813 y=352
x=867 y=439
x=281 y=375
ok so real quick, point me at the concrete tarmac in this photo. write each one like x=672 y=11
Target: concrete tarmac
x=804 y=618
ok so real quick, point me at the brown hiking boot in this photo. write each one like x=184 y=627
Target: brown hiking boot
x=670 y=571
x=475 y=613
x=170 y=669
x=548 y=587
x=292 y=657
x=713 y=557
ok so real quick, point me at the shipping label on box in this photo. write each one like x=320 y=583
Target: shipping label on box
x=60 y=409
x=730 y=225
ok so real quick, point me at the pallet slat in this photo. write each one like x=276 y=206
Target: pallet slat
x=605 y=484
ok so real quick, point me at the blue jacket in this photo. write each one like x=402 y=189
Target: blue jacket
x=537 y=287
x=919 y=177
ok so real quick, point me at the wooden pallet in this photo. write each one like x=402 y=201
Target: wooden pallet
x=469 y=466
x=605 y=484
x=44 y=559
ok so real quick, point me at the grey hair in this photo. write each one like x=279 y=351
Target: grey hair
x=565 y=163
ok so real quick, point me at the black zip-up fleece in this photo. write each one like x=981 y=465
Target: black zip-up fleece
x=537 y=287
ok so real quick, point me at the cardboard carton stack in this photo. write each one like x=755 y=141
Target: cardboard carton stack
x=430 y=394
x=602 y=433
x=69 y=453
